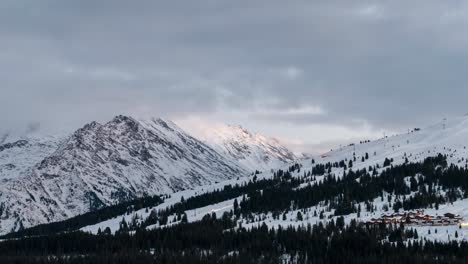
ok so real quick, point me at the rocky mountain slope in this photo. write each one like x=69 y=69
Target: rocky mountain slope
x=102 y=164
x=252 y=150
x=449 y=137
x=18 y=156
x=53 y=178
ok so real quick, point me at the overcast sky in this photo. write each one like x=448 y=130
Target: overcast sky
x=312 y=73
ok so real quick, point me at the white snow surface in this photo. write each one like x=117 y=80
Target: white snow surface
x=52 y=178
x=18 y=156
x=253 y=151
x=103 y=164
x=192 y=215
x=448 y=137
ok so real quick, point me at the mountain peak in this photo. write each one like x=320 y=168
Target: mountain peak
x=236 y=126
x=104 y=164
x=91 y=125
x=122 y=119
x=124 y=158
x=253 y=150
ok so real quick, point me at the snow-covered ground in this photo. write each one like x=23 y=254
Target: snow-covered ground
x=448 y=137
x=443 y=233
x=53 y=178
x=19 y=155
x=192 y=215
x=253 y=151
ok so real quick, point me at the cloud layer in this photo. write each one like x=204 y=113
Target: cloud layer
x=307 y=71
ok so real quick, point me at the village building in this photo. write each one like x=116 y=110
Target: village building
x=417 y=218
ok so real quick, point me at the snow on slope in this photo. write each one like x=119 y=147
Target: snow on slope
x=444 y=233
x=448 y=137
x=17 y=157
x=252 y=150
x=102 y=164
x=176 y=197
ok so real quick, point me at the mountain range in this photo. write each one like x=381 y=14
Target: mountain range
x=49 y=179
x=46 y=179
x=408 y=161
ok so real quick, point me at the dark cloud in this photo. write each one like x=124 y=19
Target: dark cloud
x=388 y=65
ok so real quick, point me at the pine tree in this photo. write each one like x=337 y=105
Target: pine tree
x=123 y=226
x=236 y=208
x=184 y=219
x=299 y=216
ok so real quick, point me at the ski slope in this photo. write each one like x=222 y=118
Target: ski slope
x=448 y=137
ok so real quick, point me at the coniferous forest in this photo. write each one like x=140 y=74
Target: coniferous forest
x=213 y=240
x=224 y=239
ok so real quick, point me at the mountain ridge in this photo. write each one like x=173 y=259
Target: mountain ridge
x=103 y=164
x=253 y=150
x=358 y=163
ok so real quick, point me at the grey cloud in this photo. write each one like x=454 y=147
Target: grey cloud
x=389 y=64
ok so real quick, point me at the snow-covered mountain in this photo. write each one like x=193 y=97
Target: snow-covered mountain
x=449 y=137
x=252 y=150
x=18 y=156
x=102 y=164
x=125 y=158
